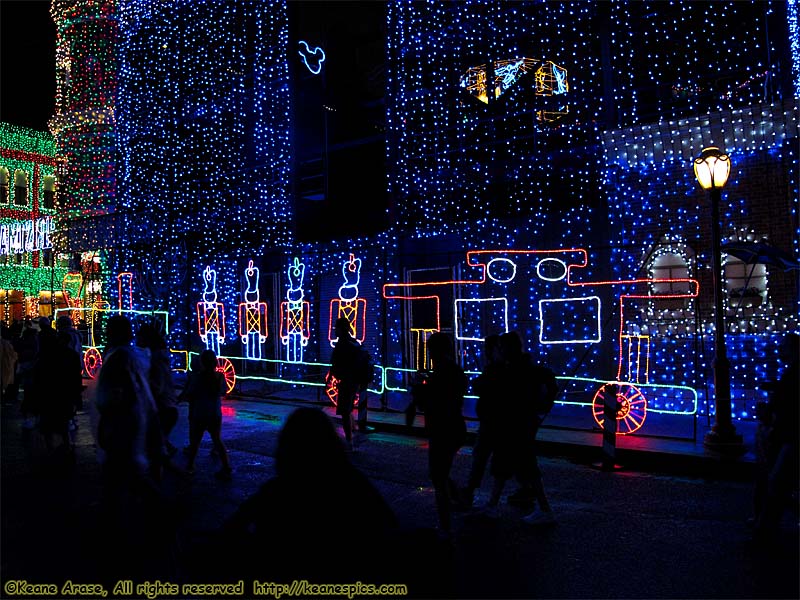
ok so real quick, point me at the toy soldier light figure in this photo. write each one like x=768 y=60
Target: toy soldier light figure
x=211 y=314
x=252 y=315
x=348 y=304
x=294 y=314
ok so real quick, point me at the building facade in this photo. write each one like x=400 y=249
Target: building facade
x=32 y=276
x=538 y=163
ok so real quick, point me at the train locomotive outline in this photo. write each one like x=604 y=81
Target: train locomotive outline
x=497 y=268
x=485 y=288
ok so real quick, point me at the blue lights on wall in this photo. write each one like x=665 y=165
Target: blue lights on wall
x=602 y=162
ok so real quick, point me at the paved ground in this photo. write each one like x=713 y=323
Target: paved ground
x=626 y=534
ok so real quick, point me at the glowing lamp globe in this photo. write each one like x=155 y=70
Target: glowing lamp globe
x=712 y=168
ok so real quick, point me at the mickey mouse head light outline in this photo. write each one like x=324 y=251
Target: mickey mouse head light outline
x=314 y=55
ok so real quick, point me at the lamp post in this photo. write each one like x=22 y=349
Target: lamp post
x=711 y=169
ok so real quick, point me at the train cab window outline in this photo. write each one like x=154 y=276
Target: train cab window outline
x=551 y=269
x=501 y=270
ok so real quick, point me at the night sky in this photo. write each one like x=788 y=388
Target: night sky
x=27 y=63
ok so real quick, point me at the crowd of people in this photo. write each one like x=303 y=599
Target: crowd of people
x=136 y=401
x=43 y=361
x=514 y=395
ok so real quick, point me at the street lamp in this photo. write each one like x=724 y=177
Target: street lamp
x=712 y=168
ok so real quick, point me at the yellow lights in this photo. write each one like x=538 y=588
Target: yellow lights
x=549 y=78
x=712 y=168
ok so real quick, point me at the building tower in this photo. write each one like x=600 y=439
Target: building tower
x=84 y=123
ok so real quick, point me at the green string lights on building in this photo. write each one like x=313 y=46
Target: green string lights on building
x=31 y=274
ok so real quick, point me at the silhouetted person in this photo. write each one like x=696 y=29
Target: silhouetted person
x=160 y=379
x=205 y=412
x=72 y=339
x=486 y=386
x=308 y=521
x=343 y=367
x=57 y=385
x=441 y=397
x=784 y=417
x=525 y=383
x=27 y=347
x=133 y=503
x=65 y=326
x=125 y=406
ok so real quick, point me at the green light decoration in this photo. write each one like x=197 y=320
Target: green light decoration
x=28 y=156
x=31 y=280
x=26 y=140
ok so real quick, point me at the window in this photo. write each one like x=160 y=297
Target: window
x=745 y=284
x=4 y=185
x=48 y=197
x=20 y=187
x=669 y=266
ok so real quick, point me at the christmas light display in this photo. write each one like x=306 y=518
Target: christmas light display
x=348 y=306
x=794 y=44
x=549 y=79
x=211 y=326
x=29 y=274
x=567 y=320
x=211 y=314
x=94 y=318
x=312 y=59
x=295 y=314
x=125 y=291
x=84 y=120
x=584 y=309
x=252 y=315
x=17 y=237
x=203 y=127
x=599 y=165
x=72 y=289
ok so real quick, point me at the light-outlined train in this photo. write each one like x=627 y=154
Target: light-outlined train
x=568 y=314
x=494 y=286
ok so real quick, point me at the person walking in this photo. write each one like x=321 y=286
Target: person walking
x=160 y=378
x=57 y=386
x=344 y=360
x=441 y=397
x=527 y=389
x=537 y=389
x=70 y=337
x=135 y=516
x=205 y=413
x=486 y=387
x=65 y=327
x=126 y=410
